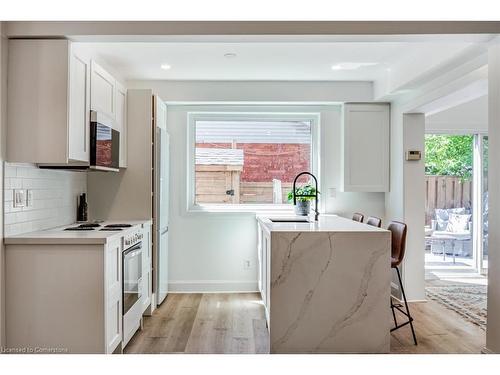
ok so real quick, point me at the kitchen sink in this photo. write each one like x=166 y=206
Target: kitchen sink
x=291 y=220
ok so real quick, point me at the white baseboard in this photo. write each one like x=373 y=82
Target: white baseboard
x=212 y=286
x=485 y=350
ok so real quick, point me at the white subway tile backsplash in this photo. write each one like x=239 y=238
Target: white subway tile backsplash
x=54 y=194
x=10 y=171
x=10 y=218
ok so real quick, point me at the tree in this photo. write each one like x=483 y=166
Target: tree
x=449 y=155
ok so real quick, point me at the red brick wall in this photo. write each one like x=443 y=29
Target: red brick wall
x=265 y=161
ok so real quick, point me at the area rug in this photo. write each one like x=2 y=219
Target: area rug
x=468 y=301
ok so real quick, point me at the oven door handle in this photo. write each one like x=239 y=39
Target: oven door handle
x=136 y=249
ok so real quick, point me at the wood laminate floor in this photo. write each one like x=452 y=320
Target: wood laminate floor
x=235 y=323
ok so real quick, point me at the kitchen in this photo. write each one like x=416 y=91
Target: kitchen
x=90 y=123
x=105 y=181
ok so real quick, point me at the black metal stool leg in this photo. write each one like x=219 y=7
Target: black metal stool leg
x=406 y=306
x=393 y=313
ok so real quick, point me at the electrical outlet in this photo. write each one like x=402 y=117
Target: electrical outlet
x=247 y=264
x=29 y=198
x=19 y=198
x=332 y=192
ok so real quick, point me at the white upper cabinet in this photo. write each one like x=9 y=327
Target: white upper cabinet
x=79 y=105
x=366 y=132
x=109 y=97
x=103 y=91
x=48 y=103
x=121 y=121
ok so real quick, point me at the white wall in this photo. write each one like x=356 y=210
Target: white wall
x=3 y=118
x=127 y=195
x=469 y=117
x=414 y=210
x=208 y=250
x=257 y=91
x=493 y=327
x=405 y=202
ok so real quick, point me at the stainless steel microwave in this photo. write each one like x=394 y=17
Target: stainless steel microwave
x=104 y=143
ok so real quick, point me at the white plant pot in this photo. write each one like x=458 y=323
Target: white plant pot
x=302 y=208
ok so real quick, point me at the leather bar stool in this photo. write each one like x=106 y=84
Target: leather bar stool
x=374 y=221
x=398 y=242
x=358 y=217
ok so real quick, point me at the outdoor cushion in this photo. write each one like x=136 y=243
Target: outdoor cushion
x=445 y=235
x=443 y=216
x=457 y=223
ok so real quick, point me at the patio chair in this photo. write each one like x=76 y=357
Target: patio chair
x=451 y=232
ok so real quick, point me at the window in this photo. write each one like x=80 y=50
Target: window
x=249 y=159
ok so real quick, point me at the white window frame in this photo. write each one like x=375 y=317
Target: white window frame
x=260 y=114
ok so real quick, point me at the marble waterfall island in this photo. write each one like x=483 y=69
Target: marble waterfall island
x=325 y=285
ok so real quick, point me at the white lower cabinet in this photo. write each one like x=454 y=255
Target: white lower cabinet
x=67 y=297
x=113 y=301
x=71 y=304
x=147 y=262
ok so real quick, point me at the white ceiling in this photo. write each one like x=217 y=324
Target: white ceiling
x=269 y=60
x=471 y=116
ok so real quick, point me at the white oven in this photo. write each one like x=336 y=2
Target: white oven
x=132 y=276
x=132 y=283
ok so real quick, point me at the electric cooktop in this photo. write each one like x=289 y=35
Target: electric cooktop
x=94 y=226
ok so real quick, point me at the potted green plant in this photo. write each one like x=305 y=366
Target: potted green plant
x=303 y=205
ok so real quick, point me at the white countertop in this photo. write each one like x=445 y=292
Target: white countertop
x=58 y=236
x=326 y=223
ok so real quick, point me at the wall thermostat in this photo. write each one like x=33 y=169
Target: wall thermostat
x=413 y=155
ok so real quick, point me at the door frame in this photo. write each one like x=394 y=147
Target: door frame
x=477 y=234
x=478 y=203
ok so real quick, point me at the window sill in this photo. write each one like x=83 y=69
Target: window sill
x=259 y=209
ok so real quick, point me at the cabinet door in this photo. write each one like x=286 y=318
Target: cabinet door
x=366 y=147
x=79 y=109
x=121 y=121
x=113 y=285
x=37 y=102
x=146 y=267
x=102 y=91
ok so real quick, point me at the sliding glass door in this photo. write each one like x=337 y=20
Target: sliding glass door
x=456 y=220
x=484 y=218
x=480 y=203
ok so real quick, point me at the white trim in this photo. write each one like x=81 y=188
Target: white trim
x=394 y=286
x=252 y=103
x=212 y=286
x=242 y=208
x=462 y=131
x=261 y=112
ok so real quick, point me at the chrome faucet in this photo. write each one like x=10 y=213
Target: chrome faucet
x=307 y=195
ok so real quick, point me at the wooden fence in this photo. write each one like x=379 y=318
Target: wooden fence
x=261 y=192
x=218 y=183
x=445 y=192
x=221 y=184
